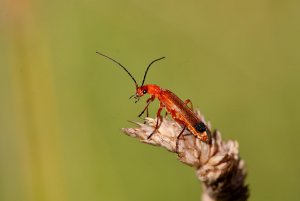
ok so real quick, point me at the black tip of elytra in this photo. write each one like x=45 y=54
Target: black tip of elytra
x=201 y=127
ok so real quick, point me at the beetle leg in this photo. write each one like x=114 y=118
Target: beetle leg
x=159 y=119
x=166 y=114
x=177 y=141
x=188 y=101
x=149 y=100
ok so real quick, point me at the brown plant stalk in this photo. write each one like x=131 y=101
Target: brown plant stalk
x=218 y=165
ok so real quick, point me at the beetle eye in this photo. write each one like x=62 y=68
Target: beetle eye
x=144 y=91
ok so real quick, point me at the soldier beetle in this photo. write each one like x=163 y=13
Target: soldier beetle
x=178 y=109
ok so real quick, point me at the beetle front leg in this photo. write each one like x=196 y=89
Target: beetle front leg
x=149 y=100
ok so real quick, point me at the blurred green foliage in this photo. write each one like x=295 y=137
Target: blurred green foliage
x=62 y=106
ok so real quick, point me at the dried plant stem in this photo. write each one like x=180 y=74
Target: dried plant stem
x=218 y=165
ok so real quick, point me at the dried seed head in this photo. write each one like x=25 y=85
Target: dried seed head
x=218 y=164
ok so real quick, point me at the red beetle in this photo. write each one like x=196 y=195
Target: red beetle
x=178 y=109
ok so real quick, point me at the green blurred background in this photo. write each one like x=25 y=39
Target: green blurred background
x=62 y=106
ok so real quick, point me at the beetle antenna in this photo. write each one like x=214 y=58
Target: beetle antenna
x=136 y=85
x=149 y=67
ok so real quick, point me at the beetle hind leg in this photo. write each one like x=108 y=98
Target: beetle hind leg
x=188 y=101
x=178 y=138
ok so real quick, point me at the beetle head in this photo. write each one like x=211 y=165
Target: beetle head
x=140 y=91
